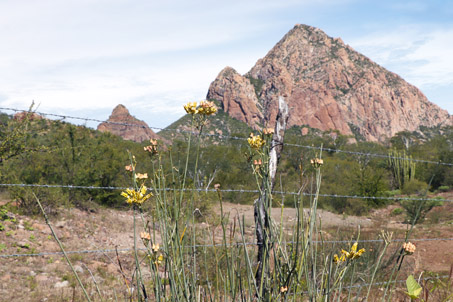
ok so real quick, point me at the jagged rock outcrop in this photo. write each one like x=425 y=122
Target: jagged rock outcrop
x=30 y=115
x=121 y=115
x=237 y=95
x=328 y=86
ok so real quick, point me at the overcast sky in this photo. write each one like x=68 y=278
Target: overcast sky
x=84 y=57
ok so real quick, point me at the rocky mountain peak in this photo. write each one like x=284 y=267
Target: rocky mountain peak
x=238 y=95
x=138 y=132
x=120 y=110
x=329 y=86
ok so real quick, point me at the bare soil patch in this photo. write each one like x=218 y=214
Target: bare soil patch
x=48 y=277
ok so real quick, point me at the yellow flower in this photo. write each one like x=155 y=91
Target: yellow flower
x=141 y=176
x=268 y=131
x=283 y=289
x=409 y=248
x=136 y=197
x=353 y=253
x=151 y=148
x=159 y=260
x=145 y=236
x=316 y=162
x=191 y=108
x=155 y=247
x=129 y=168
x=255 y=142
x=337 y=259
x=207 y=108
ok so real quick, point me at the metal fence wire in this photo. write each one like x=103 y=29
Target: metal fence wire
x=367 y=154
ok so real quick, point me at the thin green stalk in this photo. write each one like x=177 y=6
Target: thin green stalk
x=62 y=249
x=94 y=281
x=250 y=273
x=137 y=263
x=378 y=263
x=352 y=280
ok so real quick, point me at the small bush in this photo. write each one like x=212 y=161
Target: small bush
x=416 y=210
x=443 y=188
x=397 y=211
x=52 y=199
x=348 y=206
x=392 y=193
x=414 y=186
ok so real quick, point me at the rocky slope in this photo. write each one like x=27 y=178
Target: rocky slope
x=120 y=114
x=328 y=85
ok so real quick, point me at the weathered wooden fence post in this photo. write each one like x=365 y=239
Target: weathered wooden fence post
x=262 y=204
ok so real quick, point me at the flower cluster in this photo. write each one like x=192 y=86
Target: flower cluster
x=136 y=197
x=409 y=248
x=316 y=162
x=352 y=254
x=154 y=255
x=255 y=141
x=191 y=108
x=337 y=259
x=155 y=247
x=268 y=131
x=257 y=162
x=205 y=108
x=141 y=176
x=151 y=148
x=145 y=236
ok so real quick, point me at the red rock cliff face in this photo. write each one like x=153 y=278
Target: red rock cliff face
x=328 y=86
x=238 y=96
x=120 y=114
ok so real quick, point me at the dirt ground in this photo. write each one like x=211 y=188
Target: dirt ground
x=48 y=277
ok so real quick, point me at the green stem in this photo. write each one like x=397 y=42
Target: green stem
x=62 y=249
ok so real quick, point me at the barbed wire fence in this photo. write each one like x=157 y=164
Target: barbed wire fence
x=224 y=191
x=223 y=137
x=235 y=244
x=177 y=130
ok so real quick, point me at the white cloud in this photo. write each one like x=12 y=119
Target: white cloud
x=87 y=56
x=95 y=54
x=421 y=55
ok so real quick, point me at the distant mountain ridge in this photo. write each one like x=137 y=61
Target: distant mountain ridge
x=328 y=86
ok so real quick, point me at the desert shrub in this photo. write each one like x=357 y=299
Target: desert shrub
x=392 y=193
x=417 y=209
x=443 y=188
x=415 y=187
x=397 y=211
x=52 y=199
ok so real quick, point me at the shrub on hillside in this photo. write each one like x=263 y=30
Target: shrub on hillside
x=415 y=187
x=417 y=209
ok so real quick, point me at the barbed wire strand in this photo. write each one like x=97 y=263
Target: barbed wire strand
x=229 y=191
x=235 y=244
x=368 y=154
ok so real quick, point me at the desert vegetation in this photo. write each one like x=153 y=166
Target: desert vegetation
x=187 y=247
